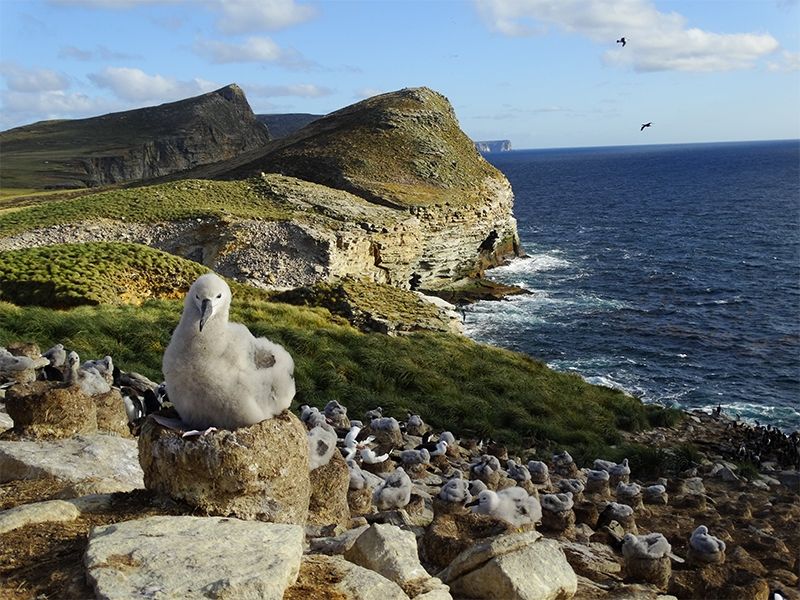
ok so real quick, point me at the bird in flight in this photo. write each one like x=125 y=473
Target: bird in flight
x=622 y=41
x=645 y=125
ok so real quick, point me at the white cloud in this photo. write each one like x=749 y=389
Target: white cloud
x=135 y=85
x=364 y=93
x=253 y=49
x=657 y=41
x=302 y=90
x=25 y=108
x=243 y=16
x=99 y=53
x=114 y=4
x=789 y=64
x=19 y=79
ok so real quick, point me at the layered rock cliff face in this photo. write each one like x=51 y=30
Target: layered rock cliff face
x=133 y=145
x=434 y=210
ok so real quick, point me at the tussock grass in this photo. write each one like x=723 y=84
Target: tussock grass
x=185 y=199
x=454 y=383
x=67 y=275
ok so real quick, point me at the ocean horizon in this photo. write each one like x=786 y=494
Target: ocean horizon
x=669 y=271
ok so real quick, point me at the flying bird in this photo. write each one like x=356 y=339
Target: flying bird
x=622 y=41
x=645 y=125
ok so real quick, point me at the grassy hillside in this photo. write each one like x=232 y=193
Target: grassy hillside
x=164 y=202
x=400 y=149
x=452 y=382
x=66 y=275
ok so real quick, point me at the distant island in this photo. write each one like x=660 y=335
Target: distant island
x=493 y=146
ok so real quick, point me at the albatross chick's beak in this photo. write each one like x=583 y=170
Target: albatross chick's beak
x=206 y=312
x=473 y=502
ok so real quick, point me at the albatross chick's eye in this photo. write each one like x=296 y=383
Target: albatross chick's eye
x=219 y=296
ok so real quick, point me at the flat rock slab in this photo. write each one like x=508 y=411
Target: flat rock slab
x=87 y=464
x=52 y=511
x=39 y=512
x=193 y=557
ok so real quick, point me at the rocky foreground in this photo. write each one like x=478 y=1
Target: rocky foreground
x=88 y=511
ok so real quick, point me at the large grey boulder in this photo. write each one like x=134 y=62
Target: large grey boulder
x=257 y=472
x=390 y=551
x=89 y=464
x=193 y=557
x=521 y=566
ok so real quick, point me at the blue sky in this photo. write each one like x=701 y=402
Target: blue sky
x=542 y=73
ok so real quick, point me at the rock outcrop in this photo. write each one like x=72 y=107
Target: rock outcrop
x=405 y=151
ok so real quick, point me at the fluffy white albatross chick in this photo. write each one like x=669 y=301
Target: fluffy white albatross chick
x=704 y=543
x=217 y=372
x=88 y=379
x=394 y=492
x=651 y=545
x=509 y=505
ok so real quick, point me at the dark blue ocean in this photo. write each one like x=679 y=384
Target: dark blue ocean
x=672 y=272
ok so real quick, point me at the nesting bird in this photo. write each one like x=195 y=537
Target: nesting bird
x=394 y=492
x=540 y=474
x=557 y=503
x=508 y=505
x=651 y=545
x=217 y=372
x=706 y=547
x=656 y=494
x=518 y=473
x=321 y=446
x=647 y=558
x=456 y=491
x=89 y=380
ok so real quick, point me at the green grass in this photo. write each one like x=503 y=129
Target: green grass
x=67 y=275
x=451 y=381
x=189 y=198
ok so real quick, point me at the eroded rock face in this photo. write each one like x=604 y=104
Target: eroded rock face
x=523 y=566
x=258 y=472
x=333 y=577
x=180 y=557
x=390 y=551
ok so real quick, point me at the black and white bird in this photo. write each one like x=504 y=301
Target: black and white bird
x=644 y=125
x=622 y=41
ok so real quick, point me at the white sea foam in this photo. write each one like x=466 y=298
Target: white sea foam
x=535 y=263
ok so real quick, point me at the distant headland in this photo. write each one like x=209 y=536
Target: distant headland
x=494 y=146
